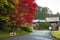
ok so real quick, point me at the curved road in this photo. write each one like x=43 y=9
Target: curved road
x=36 y=35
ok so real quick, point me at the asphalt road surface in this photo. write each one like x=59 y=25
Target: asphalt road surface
x=35 y=35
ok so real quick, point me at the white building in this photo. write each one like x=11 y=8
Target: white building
x=53 y=20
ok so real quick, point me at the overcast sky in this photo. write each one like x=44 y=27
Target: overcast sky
x=53 y=5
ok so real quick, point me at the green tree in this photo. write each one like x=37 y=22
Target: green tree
x=5 y=8
x=38 y=13
x=41 y=12
x=44 y=12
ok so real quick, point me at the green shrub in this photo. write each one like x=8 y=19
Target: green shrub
x=28 y=29
x=43 y=25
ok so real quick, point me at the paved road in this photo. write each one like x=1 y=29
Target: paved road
x=36 y=35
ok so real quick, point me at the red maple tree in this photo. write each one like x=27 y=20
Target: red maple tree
x=25 y=13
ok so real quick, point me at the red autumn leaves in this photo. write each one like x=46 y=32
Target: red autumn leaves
x=26 y=11
x=29 y=7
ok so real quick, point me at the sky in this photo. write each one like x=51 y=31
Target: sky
x=53 y=5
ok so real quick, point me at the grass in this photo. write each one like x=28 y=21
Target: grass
x=6 y=33
x=56 y=34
